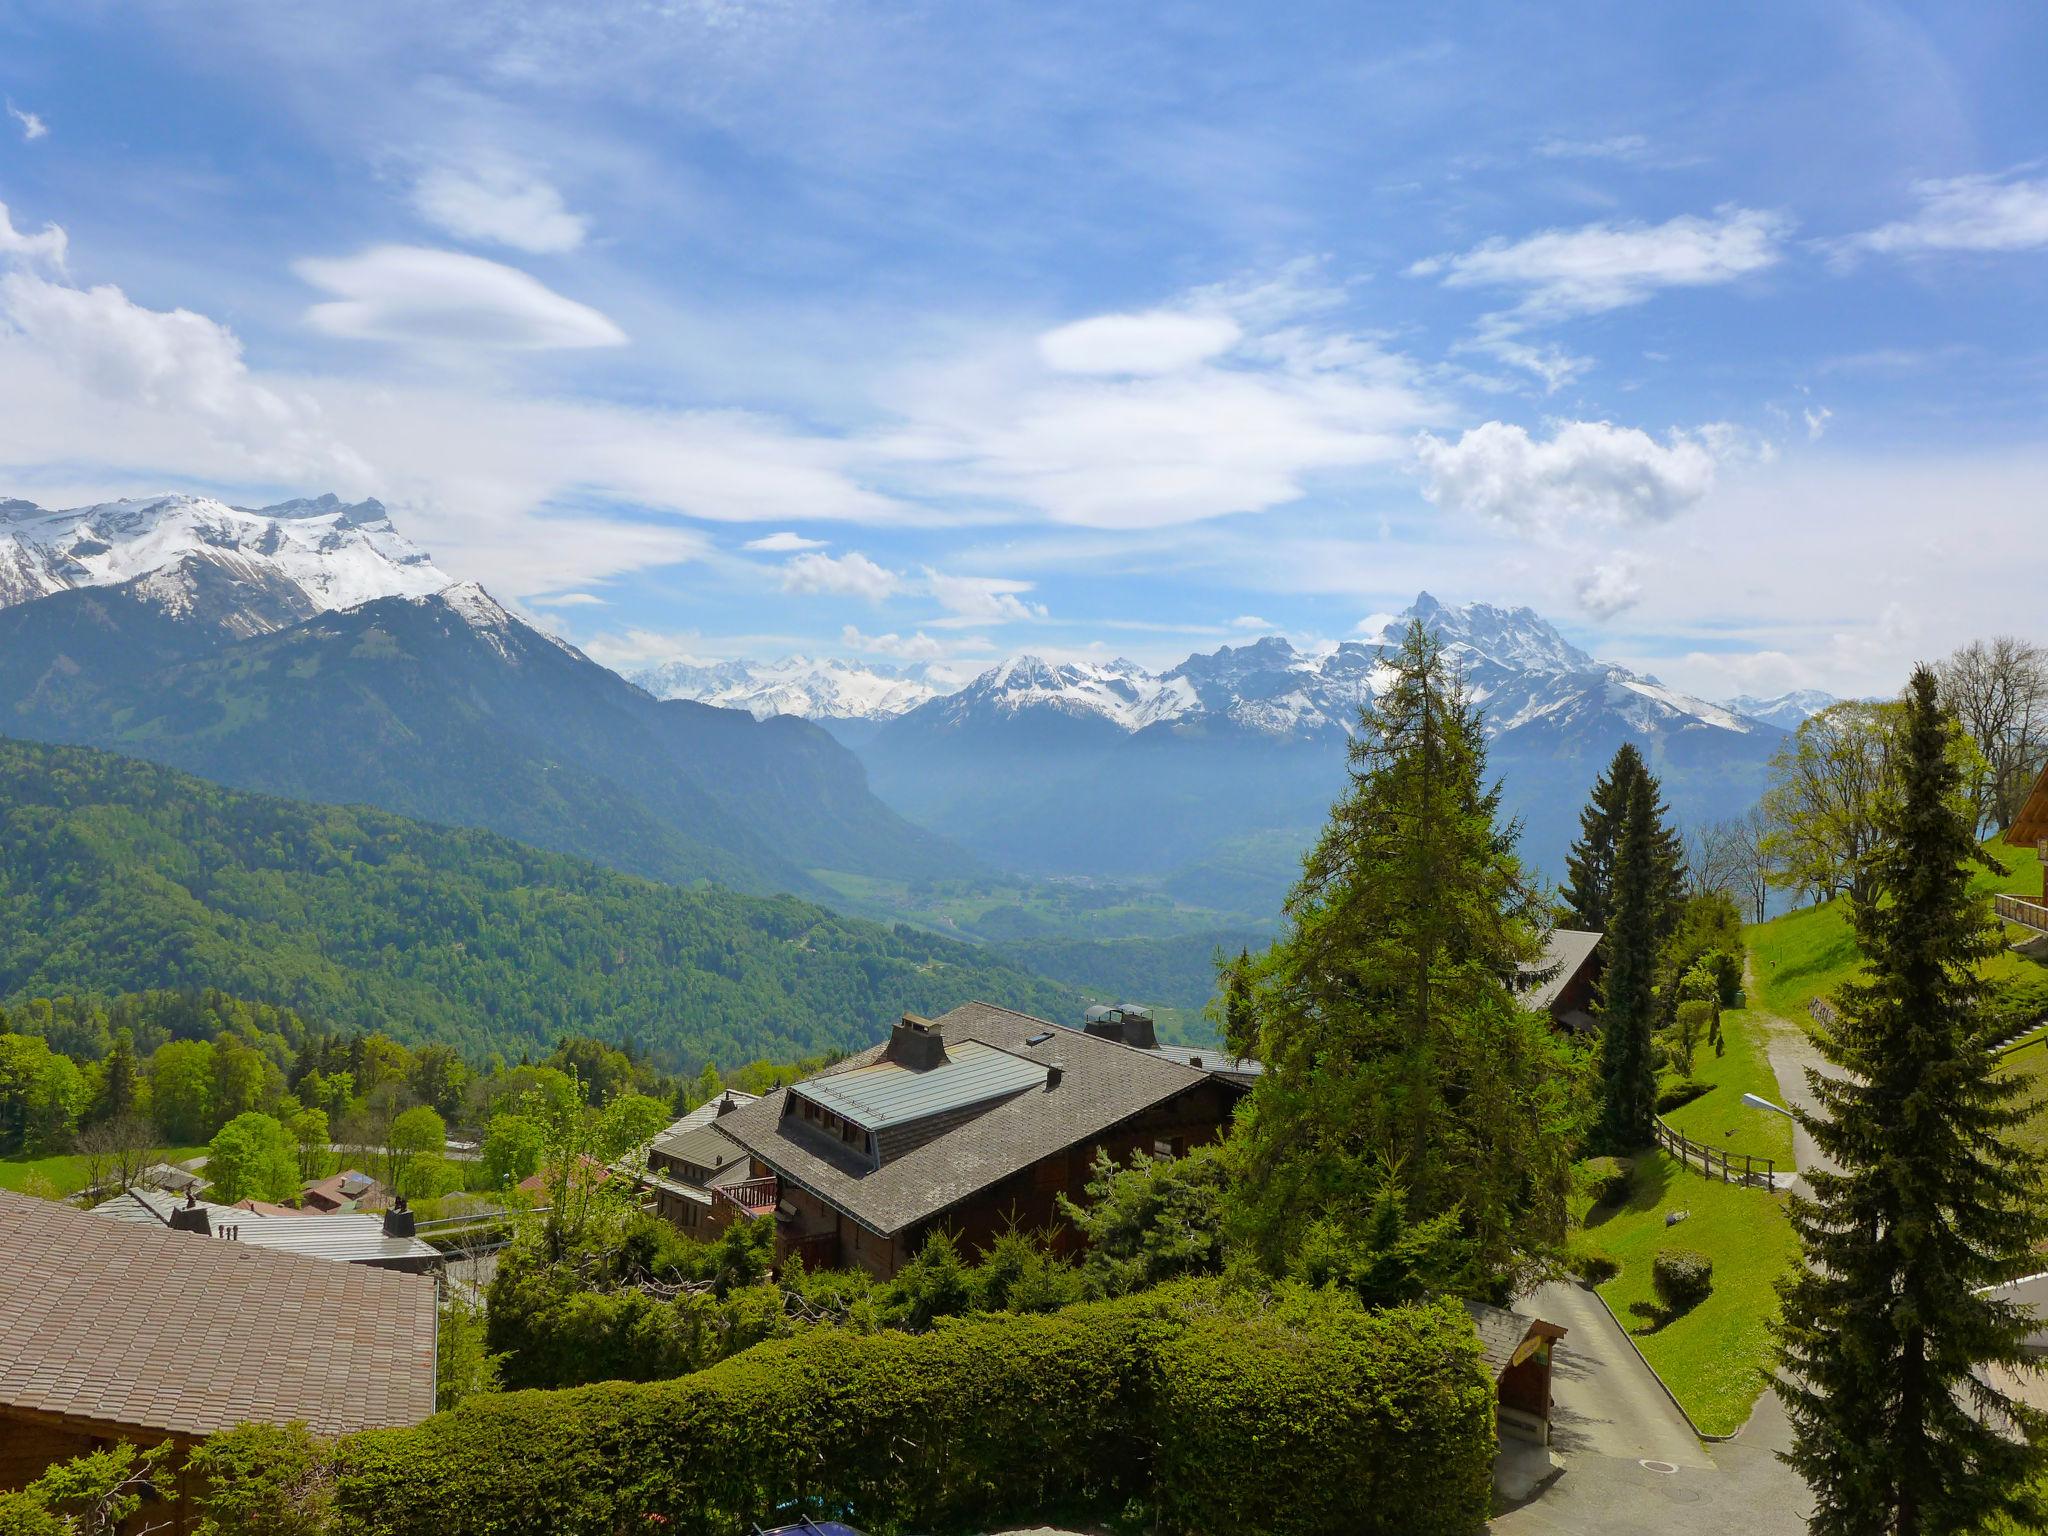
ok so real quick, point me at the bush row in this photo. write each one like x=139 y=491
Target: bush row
x=1216 y=1411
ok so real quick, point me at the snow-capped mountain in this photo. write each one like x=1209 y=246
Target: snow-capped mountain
x=1787 y=711
x=310 y=555
x=816 y=689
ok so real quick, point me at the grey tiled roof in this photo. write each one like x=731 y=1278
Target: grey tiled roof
x=705 y=1147
x=147 y=1328
x=1104 y=1083
x=1565 y=953
x=338 y=1236
x=703 y=1115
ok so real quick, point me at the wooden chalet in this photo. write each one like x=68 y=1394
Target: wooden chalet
x=2030 y=830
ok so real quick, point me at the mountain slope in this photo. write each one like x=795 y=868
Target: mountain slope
x=1787 y=711
x=117 y=875
x=447 y=707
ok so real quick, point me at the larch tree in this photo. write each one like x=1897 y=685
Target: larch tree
x=1400 y=1065
x=1628 y=1002
x=1887 y=1328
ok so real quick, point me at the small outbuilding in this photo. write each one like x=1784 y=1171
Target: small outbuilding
x=1517 y=1352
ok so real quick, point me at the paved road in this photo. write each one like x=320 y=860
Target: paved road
x=1611 y=1417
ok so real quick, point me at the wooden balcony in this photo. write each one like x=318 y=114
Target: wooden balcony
x=756 y=1197
x=2021 y=910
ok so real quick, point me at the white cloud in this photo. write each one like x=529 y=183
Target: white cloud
x=569 y=600
x=917 y=647
x=47 y=246
x=414 y=294
x=1251 y=621
x=849 y=575
x=501 y=203
x=1589 y=473
x=92 y=363
x=982 y=599
x=1964 y=213
x=1609 y=587
x=1817 y=419
x=1297 y=399
x=1157 y=342
x=32 y=126
x=1599 y=267
x=1621 y=146
x=782 y=543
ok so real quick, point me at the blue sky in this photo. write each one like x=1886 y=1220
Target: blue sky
x=951 y=331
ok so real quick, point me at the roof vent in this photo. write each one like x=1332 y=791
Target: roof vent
x=1038 y=1039
x=1054 y=1073
x=913 y=1043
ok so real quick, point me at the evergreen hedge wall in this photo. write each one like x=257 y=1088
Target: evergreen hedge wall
x=1221 y=1414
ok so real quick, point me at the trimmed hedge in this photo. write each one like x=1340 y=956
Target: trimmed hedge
x=1682 y=1277
x=1222 y=1413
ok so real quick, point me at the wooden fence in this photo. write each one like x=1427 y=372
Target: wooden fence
x=1712 y=1162
x=2018 y=909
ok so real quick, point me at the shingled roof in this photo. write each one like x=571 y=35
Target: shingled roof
x=168 y=1332
x=2031 y=825
x=1566 y=952
x=1103 y=1084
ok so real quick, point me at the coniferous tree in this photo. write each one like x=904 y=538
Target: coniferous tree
x=1627 y=995
x=1588 y=893
x=1400 y=1063
x=122 y=1081
x=1885 y=1329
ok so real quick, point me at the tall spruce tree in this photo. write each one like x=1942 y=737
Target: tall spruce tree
x=1588 y=893
x=1628 y=995
x=1400 y=1064
x=1885 y=1328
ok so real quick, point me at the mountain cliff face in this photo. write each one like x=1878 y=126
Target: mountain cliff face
x=236 y=660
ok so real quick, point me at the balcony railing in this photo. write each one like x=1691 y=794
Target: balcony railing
x=2028 y=914
x=753 y=1196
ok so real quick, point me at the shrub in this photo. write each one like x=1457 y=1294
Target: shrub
x=1695 y=1022
x=1591 y=1265
x=1683 y=1277
x=1297 y=1413
x=1678 y=1094
x=1607 y=1178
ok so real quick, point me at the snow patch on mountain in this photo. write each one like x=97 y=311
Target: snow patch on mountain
x=826 y=688
x=336 y=554
x=1787 y=711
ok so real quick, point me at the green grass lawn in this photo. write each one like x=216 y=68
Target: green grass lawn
x=1718 y=1117
x=1811 y=951
x=1714 y=1357
x=63 y=1174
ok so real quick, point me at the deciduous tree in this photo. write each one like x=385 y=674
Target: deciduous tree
x=252 y=1157
x=1998 y=691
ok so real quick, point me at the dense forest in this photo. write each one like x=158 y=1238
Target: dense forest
x=119 y=876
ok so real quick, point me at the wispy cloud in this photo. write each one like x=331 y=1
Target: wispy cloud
x=47 y=245
x=1620 y=146
x=1609 y=587
x=782 y=543
x=570 y=600
x=415 y=295
x=1963 y=213
x=32 y=126
x=981 y=599
x=498 y=202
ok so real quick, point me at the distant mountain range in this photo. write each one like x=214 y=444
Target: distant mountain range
x=292 y=651
x=1787 y=711
x=815 y=689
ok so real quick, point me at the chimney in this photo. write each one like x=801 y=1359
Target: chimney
x=192 y=1217
x=726 y=1105
x=399 y=1222
x=913 y=1043
x=1054 y=1073
x=1138 y=1029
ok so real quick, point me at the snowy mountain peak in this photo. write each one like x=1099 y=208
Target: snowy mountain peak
x=815 y=688
x=336 y=554
x=1787 y=711
x=1517 y=637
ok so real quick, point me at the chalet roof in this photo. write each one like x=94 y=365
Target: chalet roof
x=149 y=1329
x=880 y=1094
x=704 y=1114
x=705 y=1147
x=1566 y=952
x=339 y=1236
x=1103 y=1083
x=1502 y=1333
x=2031 y=825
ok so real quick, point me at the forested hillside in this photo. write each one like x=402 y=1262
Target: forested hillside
x=117 y=875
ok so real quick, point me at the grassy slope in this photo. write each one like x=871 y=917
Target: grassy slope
x=63 y=1174
x=1719 y=1117
x=1811 y=951
x=1712 y=1357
